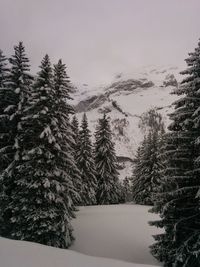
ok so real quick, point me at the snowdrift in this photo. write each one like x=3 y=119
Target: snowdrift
x=27 y=254
x=106 y=236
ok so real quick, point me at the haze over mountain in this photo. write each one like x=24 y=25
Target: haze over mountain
x=98 y=39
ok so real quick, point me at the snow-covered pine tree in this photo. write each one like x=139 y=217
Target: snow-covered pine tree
x=4 y=103
x=15 y=92
x=142 y=180
x=148 y=164
x=62 y=110
x=106 y=165
x=20 y=81
x=4 y=128
x=158 y=163
x=14 y=84
x=41 y=202
x=86 y=165
x=178 y=205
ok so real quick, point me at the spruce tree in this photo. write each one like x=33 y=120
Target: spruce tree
x=148 y=164
x=86 y=165
x=41 y=201
x=142 y=179
x=63 y=109
x=19 y=81
x=15 y=84
x=106 y=165
x=5 y=101
x=4 y=129
x=178 y=203
x=14 y=94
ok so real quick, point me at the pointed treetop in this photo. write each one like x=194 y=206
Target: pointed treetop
x=84 y=127
x=19 y=67
x=74 y=120
x=45 y=73
x=84 y=120
x=61 y=78
x=20 y=57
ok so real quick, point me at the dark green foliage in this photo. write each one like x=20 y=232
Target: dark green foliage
x=13 y=95
x=178 y=202
x=148 y=164
x=105 y=159
x=14 y=86
x=41 y=201
x=86 y=165
x=62 y=111
x=19 y=73
x=4 y=130
x=142 y=186
x=6 y=98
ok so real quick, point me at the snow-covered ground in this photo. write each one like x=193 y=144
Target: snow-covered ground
x=27 y=254
x=109 y=235
x=115 y=231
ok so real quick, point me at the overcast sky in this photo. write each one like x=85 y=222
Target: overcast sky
x=99 y=38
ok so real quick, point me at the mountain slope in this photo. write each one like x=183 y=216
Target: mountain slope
x=125 y=100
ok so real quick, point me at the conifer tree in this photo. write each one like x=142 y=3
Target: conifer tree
x=148 y=164
x=41 y=201
x=178 y=203
x=4 y=129
x=86 y=165
x=15 y=93
x=142 y=179
x=19 y=82
x=14 y=87
x=4 y=103
x=106 y=165
x=63 y=110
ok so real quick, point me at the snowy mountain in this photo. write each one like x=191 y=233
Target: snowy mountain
x=125 y=99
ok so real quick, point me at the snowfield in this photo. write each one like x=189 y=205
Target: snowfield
x=113 y=234
x=115 y=231
x=27 y=254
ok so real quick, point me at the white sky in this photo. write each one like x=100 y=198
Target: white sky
x=99 y=38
